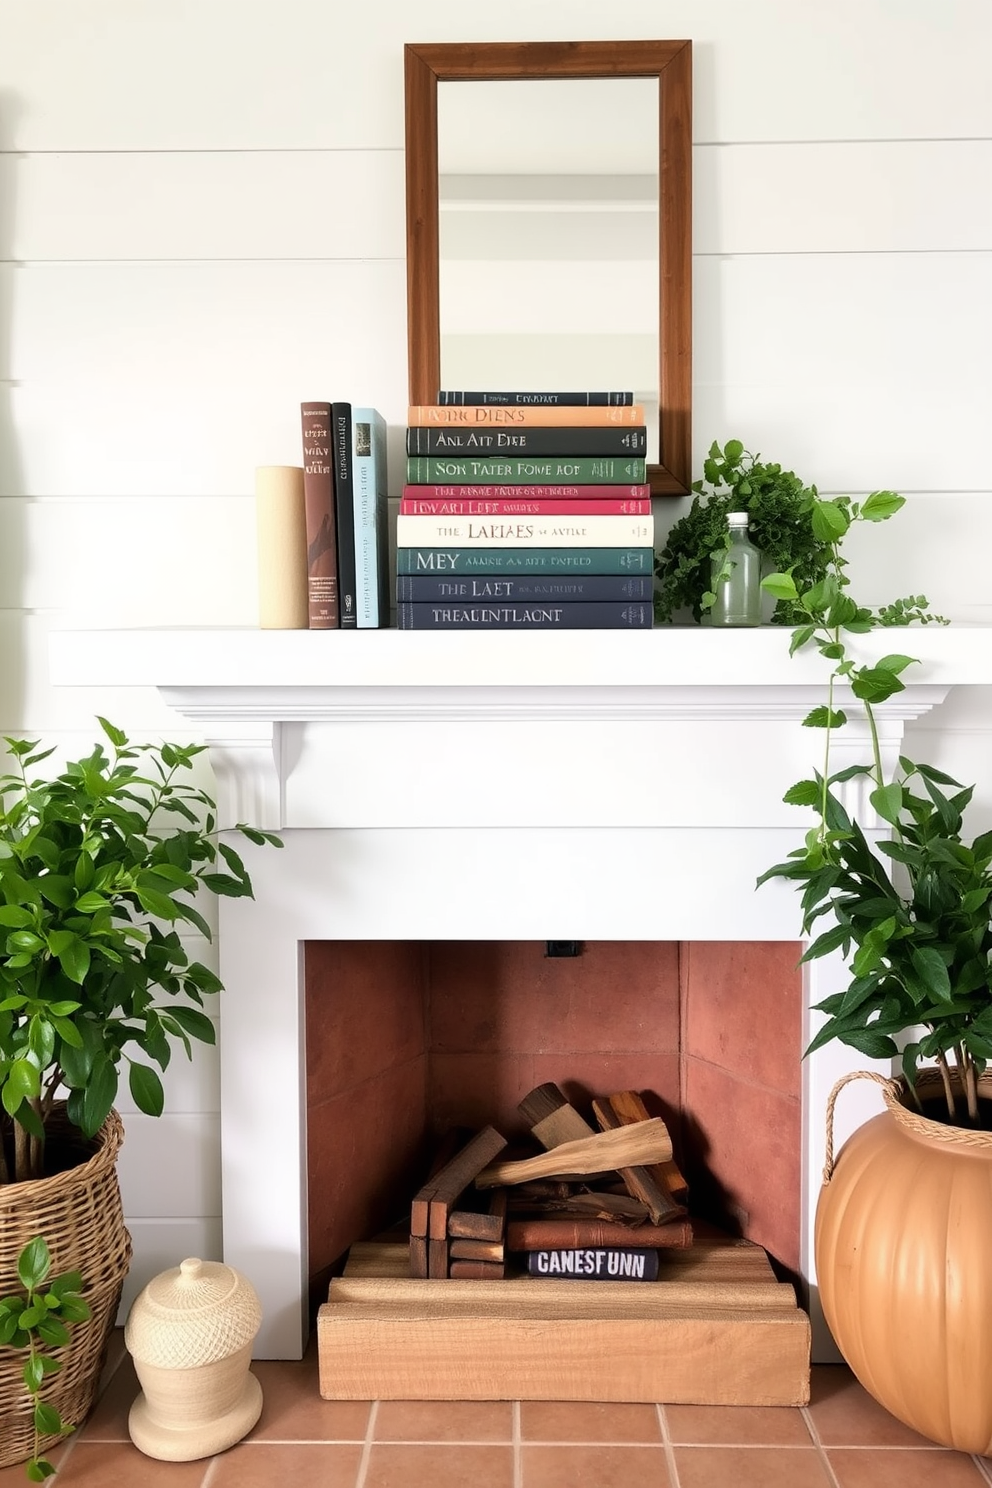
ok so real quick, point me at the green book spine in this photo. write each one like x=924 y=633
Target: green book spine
x=594 y=470
x=525 y=560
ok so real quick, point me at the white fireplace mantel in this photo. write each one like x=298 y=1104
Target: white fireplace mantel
x=582 y=785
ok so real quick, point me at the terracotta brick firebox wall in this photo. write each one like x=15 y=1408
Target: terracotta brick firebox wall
x=406 y=1039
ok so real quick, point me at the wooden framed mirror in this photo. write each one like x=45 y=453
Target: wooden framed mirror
x=669 y=63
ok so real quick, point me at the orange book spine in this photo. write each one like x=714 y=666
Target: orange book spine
x=472 y=415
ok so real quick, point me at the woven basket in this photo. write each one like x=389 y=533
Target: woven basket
x=78 y=1211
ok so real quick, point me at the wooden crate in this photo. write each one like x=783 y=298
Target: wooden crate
x=716 y=1328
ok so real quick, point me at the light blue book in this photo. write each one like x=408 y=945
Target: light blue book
x=368 y=447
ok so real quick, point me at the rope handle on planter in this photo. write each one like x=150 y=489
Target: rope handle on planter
x=890 y=1085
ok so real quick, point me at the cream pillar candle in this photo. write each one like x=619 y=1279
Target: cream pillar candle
x=282 y=547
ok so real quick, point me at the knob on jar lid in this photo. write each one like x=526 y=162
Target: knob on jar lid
x=194 y=1313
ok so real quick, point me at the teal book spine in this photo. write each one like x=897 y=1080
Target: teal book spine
x=593 y=470
x=525 y=560
x=368 y=462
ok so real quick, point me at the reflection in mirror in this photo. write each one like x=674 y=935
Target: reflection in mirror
x=665 y=311
x=548 y=236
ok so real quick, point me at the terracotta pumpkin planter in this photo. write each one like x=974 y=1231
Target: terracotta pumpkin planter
x=903 y=1229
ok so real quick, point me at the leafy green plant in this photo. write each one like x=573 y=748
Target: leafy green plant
x=41 y=1315
x=98 y=864
x=779 y=508
x=910 y=911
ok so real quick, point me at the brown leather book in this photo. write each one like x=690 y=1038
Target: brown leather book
x=572 y=1232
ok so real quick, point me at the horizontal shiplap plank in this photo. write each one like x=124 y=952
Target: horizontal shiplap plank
x=302 y=74
x=842 y=197
x=120 y=561
x=206 y=204
x=179 y=379
x=170 y=1165
x=835 y=196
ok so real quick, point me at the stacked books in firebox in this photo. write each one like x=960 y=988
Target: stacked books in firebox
x=525 y=511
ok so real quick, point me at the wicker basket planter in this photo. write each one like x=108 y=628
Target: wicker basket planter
x=902 y=1261
x=78 y=1211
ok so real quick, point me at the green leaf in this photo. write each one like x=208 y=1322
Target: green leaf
x=829 y=521
x=195 y=1023
x=33 y=1373
x=932 y=971
x=146 y=1089
x=53 y=1333
x=74 y=957
x=887 y=801
x=781 y=586
x=881 y=505
x=830 y=940
x=824 y=718
x=803 y=793
x=896 y=662
x=34 y=1263
x=115 y=735
x=47 y=1419
x=98 y=1096
x=15 y=916
x=875 y=684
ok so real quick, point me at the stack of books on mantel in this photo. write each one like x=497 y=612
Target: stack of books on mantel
x=525 y=511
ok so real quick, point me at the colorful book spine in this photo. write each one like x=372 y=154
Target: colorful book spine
x=570 y=615
x=568 y=399
x=521 y=506
x=344 y=509
x=526 y=532
x=523 y=470
x=525 y=560
x=537 y=439
x=601 y=1264
x=321 y=526
x=520 y=588
x=466 y=415
x=581 y=1232
x=368 y=459
x=532 y=493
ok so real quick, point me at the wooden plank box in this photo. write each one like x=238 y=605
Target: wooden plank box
x=715 y=1329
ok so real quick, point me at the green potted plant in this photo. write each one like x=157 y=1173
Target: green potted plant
x=779 y=507
x=904 y=1214
x=99 y=863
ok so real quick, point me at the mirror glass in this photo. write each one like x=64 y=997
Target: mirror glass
x=548 y=236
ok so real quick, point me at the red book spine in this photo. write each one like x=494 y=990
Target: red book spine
x=528 y=493
x=318 y=502
x=415 y=506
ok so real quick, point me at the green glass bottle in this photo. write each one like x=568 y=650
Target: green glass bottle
x=738 y=593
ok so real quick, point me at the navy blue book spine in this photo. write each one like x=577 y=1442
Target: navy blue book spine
x=489 y=615
x=506 y=588
x=558 y=400
x=602 y=1263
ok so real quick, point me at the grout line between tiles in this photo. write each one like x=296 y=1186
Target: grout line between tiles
x=666 y=1441
x=518 y=1456
x=363 y=1462
x=820 y=1449
x=209 y=1474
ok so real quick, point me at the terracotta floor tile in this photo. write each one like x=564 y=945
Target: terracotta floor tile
x=751 y=1467
x=444 y=1421
x=845 y=1415
x=102 y=1464
x=14 y=1476
x=737 y=1425
x=588 y=1421
x=595 y=1467
x=108 y=1419
x=264 y=1465
x=404 y=1466
x=292 y=1408
x=904 y=1467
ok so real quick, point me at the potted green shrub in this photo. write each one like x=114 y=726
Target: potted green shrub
x=779 y=507
x=904 y=1214
x=99 y=863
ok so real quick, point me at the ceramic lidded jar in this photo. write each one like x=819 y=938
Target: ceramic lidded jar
x=190 y=1334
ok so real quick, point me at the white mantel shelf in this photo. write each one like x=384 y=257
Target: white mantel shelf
x=307 y=675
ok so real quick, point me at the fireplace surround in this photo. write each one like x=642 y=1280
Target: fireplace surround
x=589 y=786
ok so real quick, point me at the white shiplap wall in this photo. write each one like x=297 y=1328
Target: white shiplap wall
x=202 y=224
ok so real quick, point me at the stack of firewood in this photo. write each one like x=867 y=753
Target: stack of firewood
x=592 y=1203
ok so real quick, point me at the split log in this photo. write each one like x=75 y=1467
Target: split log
x=641 y=1182
x=551 y=1118
x=607 y=1151
x=629 y=1106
